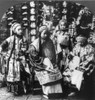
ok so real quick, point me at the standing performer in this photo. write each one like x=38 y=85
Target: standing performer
x=50 y=76
x=62 y=59
x=60 y=30
x=14 y=45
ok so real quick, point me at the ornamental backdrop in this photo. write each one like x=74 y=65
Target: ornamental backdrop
x=33 y=14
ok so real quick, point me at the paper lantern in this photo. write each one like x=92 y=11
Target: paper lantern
x=24 y=7
x=33 y=25
x=32 y=4
x=33 y=32
x=24 y=13
x=32 y=18
x=33 y=38
x=25 y=19
x=32 y=11
x=64 y=4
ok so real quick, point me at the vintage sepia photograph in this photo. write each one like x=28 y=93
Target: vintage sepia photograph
x=47 y=50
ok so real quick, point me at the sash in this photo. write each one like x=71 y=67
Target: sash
x=10 y=56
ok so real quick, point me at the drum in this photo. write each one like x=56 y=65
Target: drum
x=45 y=77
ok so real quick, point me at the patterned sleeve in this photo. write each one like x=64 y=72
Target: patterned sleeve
x=76 y=50
x=6 y=42
x=90 y=53
x=4 y=45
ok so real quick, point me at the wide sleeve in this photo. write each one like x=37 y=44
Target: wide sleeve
x=90 y=54
x=4 y=45
x=76 y=50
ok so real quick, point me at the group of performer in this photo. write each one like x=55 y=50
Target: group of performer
x=57 y=59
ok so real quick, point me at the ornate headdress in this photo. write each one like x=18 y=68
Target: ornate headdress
x=14 y=26
x=44 y=27
x=81 y=38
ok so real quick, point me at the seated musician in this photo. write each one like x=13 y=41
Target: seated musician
x=82 y=61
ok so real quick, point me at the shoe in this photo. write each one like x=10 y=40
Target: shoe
x=72 y=94
x=45 y=96
x=16 y=94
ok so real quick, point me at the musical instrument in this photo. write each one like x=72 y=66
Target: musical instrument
x=45 y=77
x=74 y=73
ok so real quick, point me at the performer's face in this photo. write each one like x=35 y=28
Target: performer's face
x=62 y=25
x=44 y=34
x=33 y=51
x=82 y=42
x=19 y=30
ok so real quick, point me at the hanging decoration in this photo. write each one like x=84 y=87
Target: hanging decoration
x=34 y=14
x=32 y=19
